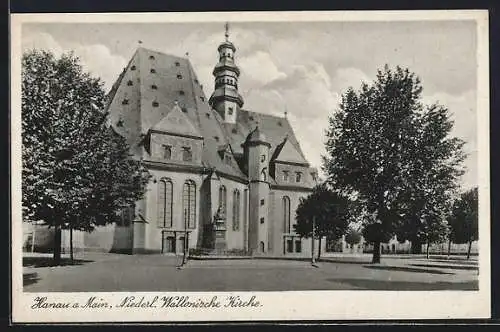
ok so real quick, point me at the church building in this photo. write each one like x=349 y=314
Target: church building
x=224 y=178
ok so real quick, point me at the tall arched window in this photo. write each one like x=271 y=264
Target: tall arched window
x=165 y=194
x=189 y=204
x=222 y=200
x=286 y=215
x=236 y=210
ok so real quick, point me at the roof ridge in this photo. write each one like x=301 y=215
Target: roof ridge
x=193 y=87
x=162 y=53
x=114 y=88
x=139 y=93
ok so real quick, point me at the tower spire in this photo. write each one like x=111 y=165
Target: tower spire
x=226 y=99
x=227 y=31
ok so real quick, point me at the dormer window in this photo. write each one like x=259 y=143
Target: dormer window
x=227 y=158
x=187 y=154
x=298 y=177
x=167 y=152
x=285 y=176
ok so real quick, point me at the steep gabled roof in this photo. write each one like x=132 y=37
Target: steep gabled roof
x=287 y=152
x=274 y=128
x=153 y=83
x=176 y=122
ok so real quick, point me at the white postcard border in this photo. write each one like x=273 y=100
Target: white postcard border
x=296 y=305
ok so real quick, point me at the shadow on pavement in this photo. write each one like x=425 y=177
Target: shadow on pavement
x=454 y=267
x=48 y=261
x=344 y=261
x=405 y=269
x=454 y=261
x=407 y=285
x=30 y=278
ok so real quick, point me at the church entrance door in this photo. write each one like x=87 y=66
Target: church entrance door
x=168 y=243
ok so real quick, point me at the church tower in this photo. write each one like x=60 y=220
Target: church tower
x=225 y=99
x=256 y=151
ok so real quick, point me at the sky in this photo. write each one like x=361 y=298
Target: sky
x=298 y=67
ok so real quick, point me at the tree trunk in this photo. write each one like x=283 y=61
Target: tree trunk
x=468 y=250
x=57 y=244
x=33 y=237
x=427 y=250
x=376 y=252
x=449 y=247
x=319 y=248
x=416 y=247
x=71 y=243
x=312 y=243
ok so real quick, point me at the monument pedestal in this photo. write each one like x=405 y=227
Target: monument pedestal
x=220 y=235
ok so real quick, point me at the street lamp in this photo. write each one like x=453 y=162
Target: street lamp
x=313 y=260
x=184 y=256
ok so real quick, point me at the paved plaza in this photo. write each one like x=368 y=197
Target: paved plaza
x=114 y=272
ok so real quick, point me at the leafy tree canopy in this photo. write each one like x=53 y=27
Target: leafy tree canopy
x=393 y=153
x=329 y=210
x=464 y=217
x=352 y=236
x=76 y=170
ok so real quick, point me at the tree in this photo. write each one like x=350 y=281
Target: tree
x=77 y=172
x=375 y=146
x=433 y=179
x=434 y=230
x=330 y=213
x=464 y=219
x=352 y=237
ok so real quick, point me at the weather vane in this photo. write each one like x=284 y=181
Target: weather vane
x=227 y=31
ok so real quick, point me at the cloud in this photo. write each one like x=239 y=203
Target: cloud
x=350 y=77
x=310 y=95
x=260 y=67
x=41 y=41
x=96 y=59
